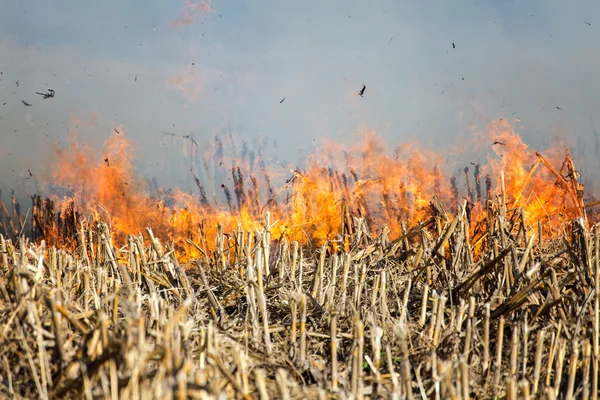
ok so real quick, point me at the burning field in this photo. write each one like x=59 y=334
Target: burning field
x=369 y=272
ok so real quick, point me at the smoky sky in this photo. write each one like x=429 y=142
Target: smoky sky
x=436 y=71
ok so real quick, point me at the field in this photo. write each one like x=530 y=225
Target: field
x=386 y=294
x=431 y=314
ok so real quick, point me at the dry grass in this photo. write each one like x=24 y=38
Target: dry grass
x=433 y=314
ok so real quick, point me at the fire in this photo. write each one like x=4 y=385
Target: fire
x=343 y=188
x=533 y=183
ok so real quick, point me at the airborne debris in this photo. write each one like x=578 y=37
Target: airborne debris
x=17 y=82
x=558 y=108
x=136 y=76
x=30 y=174
x=107 y=162
x=453 y=45
x=362 y=91
x=182 y=136
x=391 y=40
x=26 y=103
x=282 y=100
x=587 y=23
x=118 y=133
x=48 y=95
x=497 y=142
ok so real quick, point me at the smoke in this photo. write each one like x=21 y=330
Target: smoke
x=192 y=12
x=438 y=73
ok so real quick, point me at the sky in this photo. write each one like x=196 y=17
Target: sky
x=436 y=71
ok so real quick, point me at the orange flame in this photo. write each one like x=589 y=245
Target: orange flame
x=323 y=202
x=544 y=192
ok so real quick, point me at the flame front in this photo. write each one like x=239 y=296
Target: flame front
x=342 y=188
x=533 y=182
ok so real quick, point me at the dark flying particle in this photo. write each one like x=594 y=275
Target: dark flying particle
x=118 y=133
x=48 y=95
x=17 y=82
x=453 y=45
x=26 y=103
x=30 y=174
x=391 y=40
x=107 y=162
x=558 y=108
x=135 y=79
x=500 y=143
x=587 y=23
x=282 y=100
x=362 y=91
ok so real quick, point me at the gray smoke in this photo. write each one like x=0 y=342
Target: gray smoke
x=437 y=72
